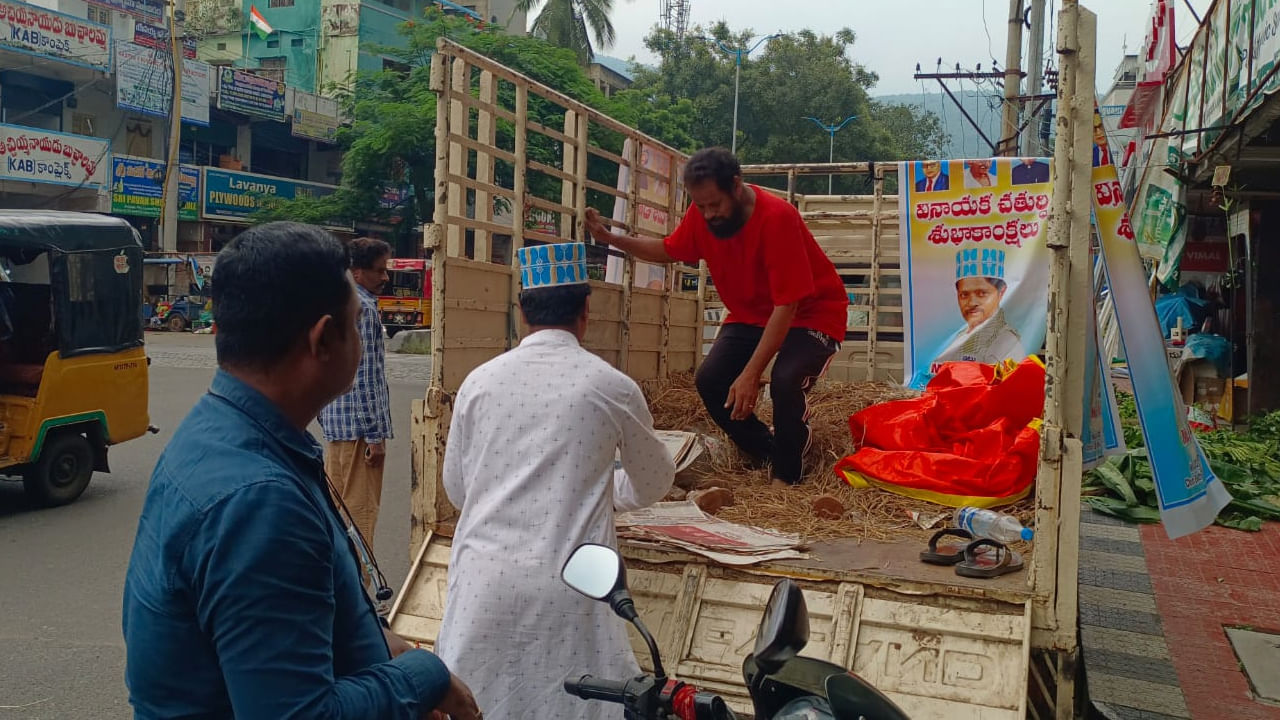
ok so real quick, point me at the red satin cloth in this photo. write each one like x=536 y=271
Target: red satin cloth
x=970 y=435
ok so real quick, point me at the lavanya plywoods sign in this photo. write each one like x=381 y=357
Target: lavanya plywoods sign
x=45 y=33
x=43 y=156
x=236 y=196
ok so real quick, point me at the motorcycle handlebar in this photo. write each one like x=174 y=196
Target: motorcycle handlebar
x=589 y=687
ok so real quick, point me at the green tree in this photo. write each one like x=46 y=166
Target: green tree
x=390 y=143
x=797 y=75
x=571 y=23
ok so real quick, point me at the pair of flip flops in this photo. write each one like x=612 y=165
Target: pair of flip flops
x=975 y=557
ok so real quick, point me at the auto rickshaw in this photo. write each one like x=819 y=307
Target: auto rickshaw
x=73 y=370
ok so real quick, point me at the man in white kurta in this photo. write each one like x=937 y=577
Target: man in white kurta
x=530 y=464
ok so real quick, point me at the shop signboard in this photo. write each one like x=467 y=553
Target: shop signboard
x=233 y=196
x=43 y=156
x=144 y=84
x=47 y=34
x=137 y=188
x=157 y=38
x=152 y=10
x=250 y=94
x=314 y=125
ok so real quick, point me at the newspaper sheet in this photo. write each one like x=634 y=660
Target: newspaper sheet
x=684 y=526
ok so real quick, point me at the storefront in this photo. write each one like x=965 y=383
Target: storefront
x=1206 y=202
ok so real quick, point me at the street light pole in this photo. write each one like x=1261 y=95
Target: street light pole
x=738 y=54
x=831 y=131
x=737 y=79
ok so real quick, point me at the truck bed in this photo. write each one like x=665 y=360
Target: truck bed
x=940 y=645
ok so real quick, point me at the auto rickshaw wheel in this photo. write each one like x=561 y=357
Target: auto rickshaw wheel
x=62 y=471
x=176 y=322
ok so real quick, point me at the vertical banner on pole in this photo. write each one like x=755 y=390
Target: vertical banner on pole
x=1189 y=494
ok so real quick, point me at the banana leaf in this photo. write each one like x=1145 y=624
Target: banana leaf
x=1118 y=508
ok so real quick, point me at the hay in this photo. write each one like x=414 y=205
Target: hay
x=870 y=514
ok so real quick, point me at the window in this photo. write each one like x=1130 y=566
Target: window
x=296 y=42
x=279 y=3
x=99 y=15
x=222 y=46
x=273 y=67
x=273 y=43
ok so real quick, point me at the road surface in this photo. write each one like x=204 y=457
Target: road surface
x=62 y=570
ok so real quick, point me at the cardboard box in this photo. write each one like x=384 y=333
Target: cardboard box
x=1208 y=397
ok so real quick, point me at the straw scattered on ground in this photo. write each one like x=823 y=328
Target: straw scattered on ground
x=870 y=514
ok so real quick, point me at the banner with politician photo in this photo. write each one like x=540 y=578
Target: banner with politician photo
x=975 y=264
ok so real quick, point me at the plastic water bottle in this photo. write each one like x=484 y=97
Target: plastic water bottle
x=991 y=524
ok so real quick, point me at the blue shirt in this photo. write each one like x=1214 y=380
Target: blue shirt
x=364 y=413
x=243 y=598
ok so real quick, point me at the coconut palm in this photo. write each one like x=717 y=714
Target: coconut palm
x=571 y=23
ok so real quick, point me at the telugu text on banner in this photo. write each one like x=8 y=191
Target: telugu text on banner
x=975 y=265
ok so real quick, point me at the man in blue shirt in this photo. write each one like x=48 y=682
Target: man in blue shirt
x=243 y=598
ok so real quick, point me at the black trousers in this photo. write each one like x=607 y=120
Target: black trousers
x=800 y=362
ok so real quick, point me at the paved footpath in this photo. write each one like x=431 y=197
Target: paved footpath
x=1210 y=586
x=1158 y=618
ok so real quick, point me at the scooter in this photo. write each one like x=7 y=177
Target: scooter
x=783 y=685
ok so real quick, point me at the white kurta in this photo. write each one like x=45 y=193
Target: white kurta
x=530 y=463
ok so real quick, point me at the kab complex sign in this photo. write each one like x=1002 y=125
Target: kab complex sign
x=35 y=31
x=235 y=196
x=43 y=156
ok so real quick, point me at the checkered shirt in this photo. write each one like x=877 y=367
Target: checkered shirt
x=364 y=413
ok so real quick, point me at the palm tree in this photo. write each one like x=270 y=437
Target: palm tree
x=570 y=24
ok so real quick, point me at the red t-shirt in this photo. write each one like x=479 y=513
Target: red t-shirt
x=773 y=260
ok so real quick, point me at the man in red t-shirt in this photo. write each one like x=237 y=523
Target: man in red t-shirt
x=784 y=298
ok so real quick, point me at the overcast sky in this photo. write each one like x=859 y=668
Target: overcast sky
x=893 y=36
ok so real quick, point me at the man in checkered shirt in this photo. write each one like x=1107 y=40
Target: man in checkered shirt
x=357 y=425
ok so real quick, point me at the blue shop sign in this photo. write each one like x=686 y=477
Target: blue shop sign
x=235 y=196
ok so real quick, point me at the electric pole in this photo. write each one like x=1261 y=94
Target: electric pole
x=1012 y=82
x=171 y=202
x=1035 y=79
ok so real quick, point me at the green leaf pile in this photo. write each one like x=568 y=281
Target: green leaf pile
x=1247 y=463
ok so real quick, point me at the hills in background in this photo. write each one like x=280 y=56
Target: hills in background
x=965 y=140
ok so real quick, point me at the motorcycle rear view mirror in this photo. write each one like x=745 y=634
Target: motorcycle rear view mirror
x=784 y=629
x=595 y=571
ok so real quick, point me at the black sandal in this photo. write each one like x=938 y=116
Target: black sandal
x=997 y=561
x=951 y=554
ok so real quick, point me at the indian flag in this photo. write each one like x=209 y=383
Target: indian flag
x=260 y=25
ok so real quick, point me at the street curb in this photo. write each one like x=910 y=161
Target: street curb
x=411 y=342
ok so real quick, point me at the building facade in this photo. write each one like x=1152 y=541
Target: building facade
x=321 y=45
